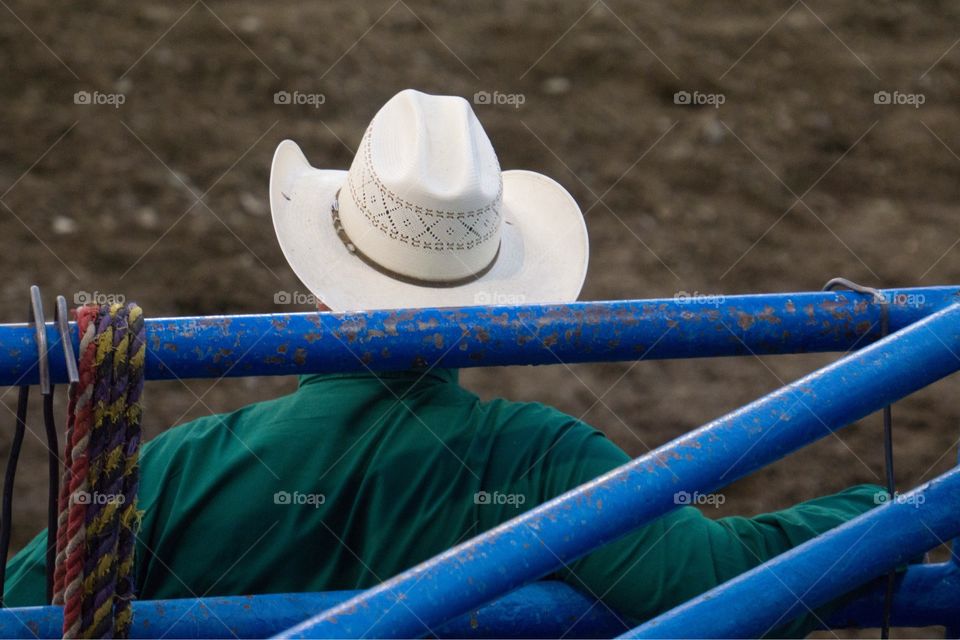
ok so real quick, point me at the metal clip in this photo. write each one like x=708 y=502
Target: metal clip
x=40 y=332
x=878 y=296
x=60 y=319
x=832 y=284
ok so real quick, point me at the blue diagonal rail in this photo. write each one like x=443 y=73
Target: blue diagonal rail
x=813 y=573
x=683 y=327
x=561 y=530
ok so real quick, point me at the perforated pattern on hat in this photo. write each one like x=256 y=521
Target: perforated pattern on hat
x=412 y=224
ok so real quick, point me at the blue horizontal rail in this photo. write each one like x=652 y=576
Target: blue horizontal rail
x=541 y=610
x=926 y=595
x=810 y=575
x=684 y=327
x=561 y=530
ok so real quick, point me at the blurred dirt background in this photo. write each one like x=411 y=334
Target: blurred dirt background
x=797 y=177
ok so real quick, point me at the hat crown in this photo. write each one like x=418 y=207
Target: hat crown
x=432 y=150
x=424 y=191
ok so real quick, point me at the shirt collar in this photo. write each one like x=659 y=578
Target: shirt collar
x=415 y=376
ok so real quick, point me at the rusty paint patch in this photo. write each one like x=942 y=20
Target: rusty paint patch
x=768 y=315
x=831 y=306
x=390 y=326
x=432 y=323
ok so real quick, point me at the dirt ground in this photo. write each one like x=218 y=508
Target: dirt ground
x=798 y=176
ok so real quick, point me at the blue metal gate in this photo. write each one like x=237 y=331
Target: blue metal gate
x=486 y=586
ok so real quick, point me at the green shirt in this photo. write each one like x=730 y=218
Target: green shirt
x=354 y=478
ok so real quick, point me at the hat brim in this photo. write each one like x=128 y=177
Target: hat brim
x=543 y=252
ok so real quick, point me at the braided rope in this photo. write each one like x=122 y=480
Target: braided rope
x=70 y=550
x=102 y=522
x=130 y=517
x=95 y=548
x=83 y=321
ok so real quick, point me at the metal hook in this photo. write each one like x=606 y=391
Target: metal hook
x=853 y=286
x=60 y=316
x=40 y=332
x=878 y=296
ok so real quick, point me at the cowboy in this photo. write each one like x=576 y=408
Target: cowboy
x=357 y=476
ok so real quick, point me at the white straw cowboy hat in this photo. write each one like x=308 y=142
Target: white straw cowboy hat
x=425 y=218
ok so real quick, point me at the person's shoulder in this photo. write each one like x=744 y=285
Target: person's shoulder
x=204 y=428
x=530 y=417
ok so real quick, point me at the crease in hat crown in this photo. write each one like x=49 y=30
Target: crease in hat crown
x=423 y=195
